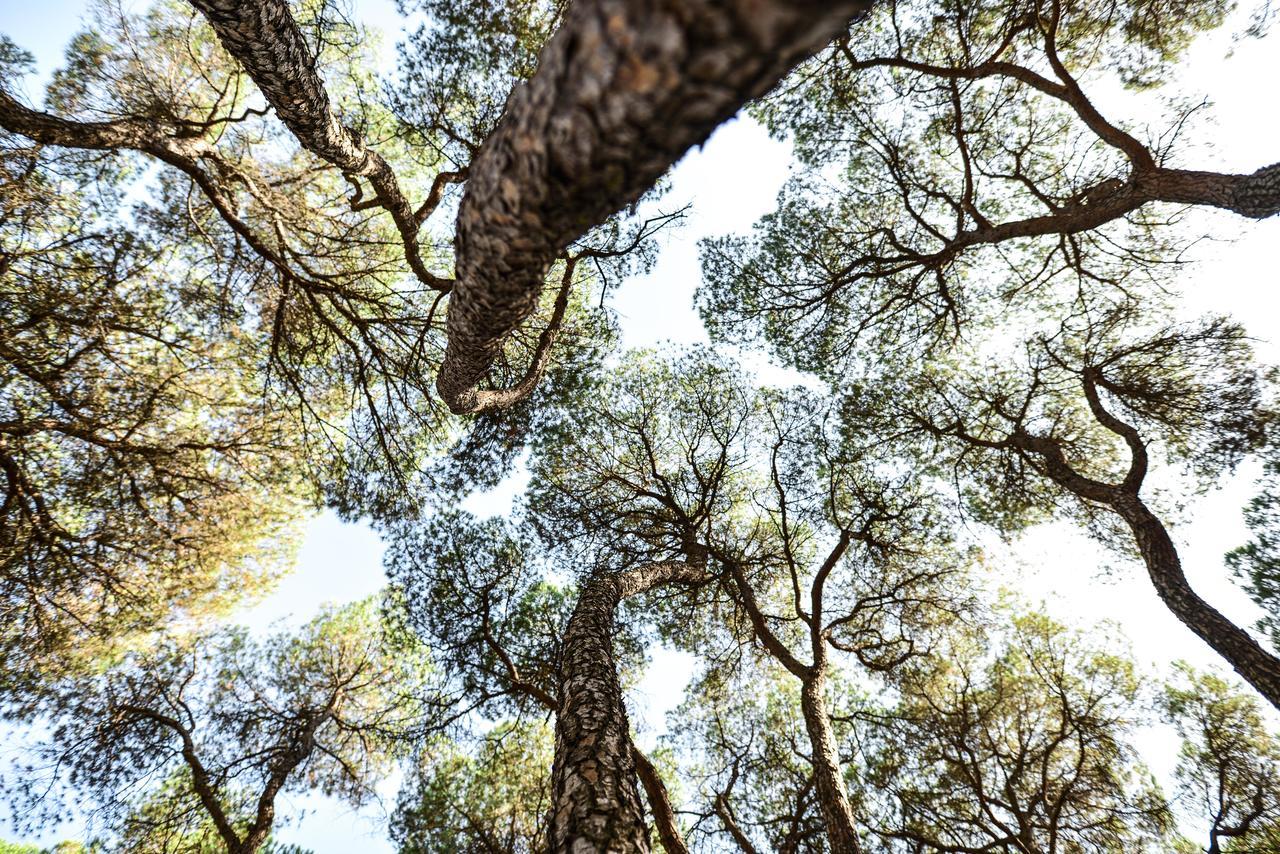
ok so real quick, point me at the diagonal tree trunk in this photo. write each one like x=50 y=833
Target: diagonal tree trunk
x=595 y=802
x=1259 y=667
x=623 y=89
x=266 y=40
x=664 y=817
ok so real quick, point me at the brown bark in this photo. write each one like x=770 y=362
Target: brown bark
x=725 y=814
x=595 y=803
x=622 y=90
x=833 y=799
x=266 y=40
x=297 y=747
x=199 y=775
x=1258 y=667
x=664 y=816
x=828 y=777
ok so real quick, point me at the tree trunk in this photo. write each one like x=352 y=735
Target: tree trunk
x=265 y=39
x=1258 y=667
x=595 y=802
x=827 y=774
x=664 y=817
x=622 y=90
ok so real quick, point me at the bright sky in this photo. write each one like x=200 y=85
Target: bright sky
x=731 y=182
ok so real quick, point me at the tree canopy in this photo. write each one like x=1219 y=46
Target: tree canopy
x=248 y=271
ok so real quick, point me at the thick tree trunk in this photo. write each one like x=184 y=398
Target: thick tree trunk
x=622 y=90
x=827 y=774
x=1258 y=667
x=1255 y=195
x=595 y=802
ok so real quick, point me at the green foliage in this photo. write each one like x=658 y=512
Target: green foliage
x=327 y=708
x=1191 y=391
x=472 y=591
x=492 y=799
x=1026 y=746
x=744 y=746
x=1228 y=769
x=921 y=134
x=144 y=478
x=1257 y=563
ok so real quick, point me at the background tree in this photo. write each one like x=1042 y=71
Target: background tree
x=1229 y=766
x=515 y=644
x=495 y=799
x=742 y=736
x=955 y=168
x=200 y=735
x=1058 y=419
x=816 y=553
x=144 y=477
x=1257 y=563
x=1025 y=744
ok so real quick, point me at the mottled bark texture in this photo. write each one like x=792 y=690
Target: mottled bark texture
x=622 y=90
x=595 y=801
x=266 y=40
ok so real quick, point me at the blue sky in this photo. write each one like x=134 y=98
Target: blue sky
x=731 y=182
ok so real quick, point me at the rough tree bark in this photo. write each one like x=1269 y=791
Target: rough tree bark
x=622 y=90
x=664 y=818
x=595 y=801
x=833 y=799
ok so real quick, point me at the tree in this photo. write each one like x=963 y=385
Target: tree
x=599 y=87
x=187 y=360
x=1025 y=747
x=978 y=176
x=193 y=741
x=513 y=644
x=814 y=552
x=143 y=475
x=610 y=72
x=1078 y=417
x=494 y=800
x=1257 y=563
x=1229 y=765
x=742 y=735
